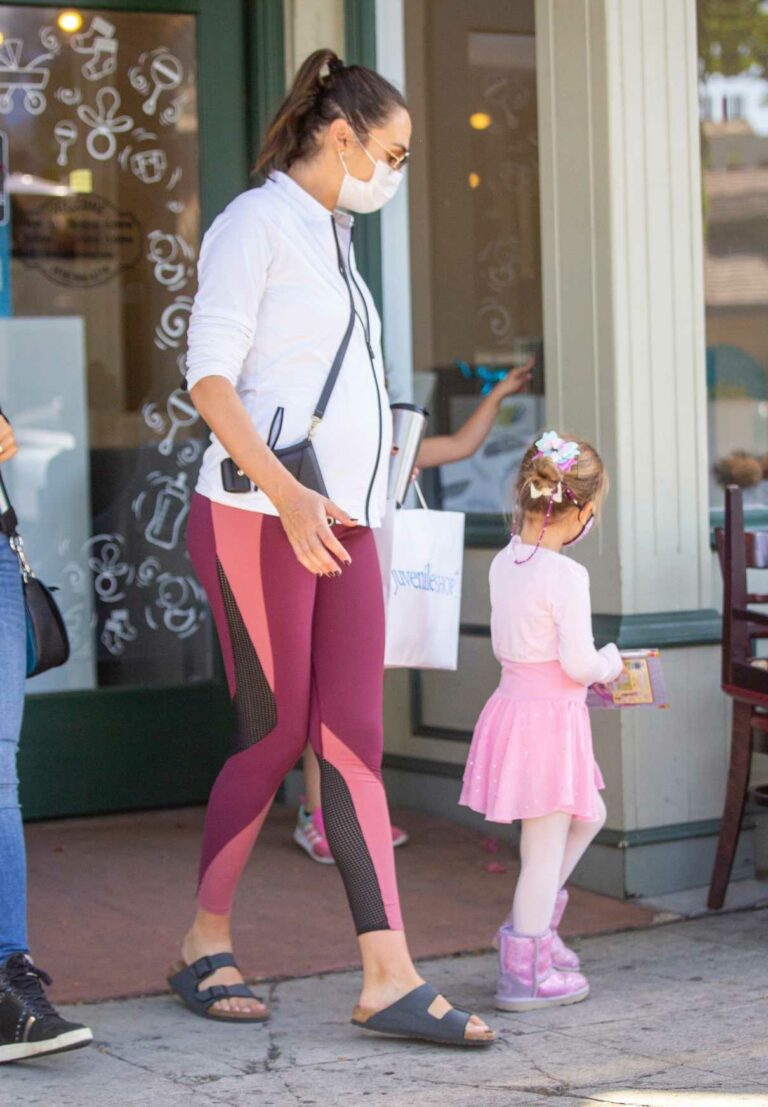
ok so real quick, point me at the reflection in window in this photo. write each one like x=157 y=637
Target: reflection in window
x=477 y=276
x=733 y=54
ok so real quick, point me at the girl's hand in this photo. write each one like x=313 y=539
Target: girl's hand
x=515 y=380
x=8 y=447
x=305 y=517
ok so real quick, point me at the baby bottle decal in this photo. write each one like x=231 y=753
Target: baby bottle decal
x=171 y=507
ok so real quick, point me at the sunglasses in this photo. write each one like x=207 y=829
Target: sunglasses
x=395 y=161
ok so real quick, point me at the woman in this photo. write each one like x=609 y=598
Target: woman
x=29 y=1025
x=292 y=575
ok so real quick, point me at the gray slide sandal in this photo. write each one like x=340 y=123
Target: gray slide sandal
x=184 y=980
x=410 y=1017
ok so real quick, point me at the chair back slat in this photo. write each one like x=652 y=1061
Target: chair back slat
x=757 y=549
x=736 y=643
x=756 y=553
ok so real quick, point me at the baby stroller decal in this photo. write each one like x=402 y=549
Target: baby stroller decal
x=31 y=79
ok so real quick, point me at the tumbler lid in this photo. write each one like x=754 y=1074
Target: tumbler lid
x=410 y=407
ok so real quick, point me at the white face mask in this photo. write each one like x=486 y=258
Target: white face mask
x=364 y=197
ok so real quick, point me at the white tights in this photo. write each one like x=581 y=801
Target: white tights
x=550 y=849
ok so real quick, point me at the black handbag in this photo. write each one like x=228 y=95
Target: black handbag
x=47 y=639
x=300 y=459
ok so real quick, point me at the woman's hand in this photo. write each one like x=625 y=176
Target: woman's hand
x=8 y=447
x=515 y=380
x=304 y=515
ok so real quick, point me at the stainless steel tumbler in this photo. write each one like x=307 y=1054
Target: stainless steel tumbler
x=409 y=422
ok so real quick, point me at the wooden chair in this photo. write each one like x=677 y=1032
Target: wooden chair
x=742 y=680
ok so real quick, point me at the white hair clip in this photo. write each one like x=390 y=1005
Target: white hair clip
x=555 y=494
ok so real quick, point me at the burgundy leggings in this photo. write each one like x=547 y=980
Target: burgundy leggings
x=304 y=659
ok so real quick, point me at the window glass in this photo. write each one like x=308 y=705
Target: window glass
x=98 y=116
x=475 y=243
x=733 y=53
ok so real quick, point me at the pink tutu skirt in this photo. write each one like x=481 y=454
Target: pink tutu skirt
x=531 y=752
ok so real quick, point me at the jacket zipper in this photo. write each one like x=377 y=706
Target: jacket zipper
x=372 y=360
x=371 y=357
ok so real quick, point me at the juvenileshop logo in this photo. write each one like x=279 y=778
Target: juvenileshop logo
x=424 y=580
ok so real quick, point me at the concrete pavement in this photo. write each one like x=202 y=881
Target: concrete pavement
x=678 y=1018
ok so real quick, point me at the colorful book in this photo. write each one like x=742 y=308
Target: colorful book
x=640 y=685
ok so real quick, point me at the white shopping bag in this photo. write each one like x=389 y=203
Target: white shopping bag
x=422 y=556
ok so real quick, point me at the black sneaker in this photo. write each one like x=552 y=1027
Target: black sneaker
x=29 y=1025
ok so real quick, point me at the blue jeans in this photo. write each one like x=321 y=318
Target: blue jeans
x=13 y=661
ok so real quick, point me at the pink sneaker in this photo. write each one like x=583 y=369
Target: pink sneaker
x=310 y=835
x=527 y=979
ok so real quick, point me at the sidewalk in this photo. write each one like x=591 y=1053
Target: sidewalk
x=677 y=1018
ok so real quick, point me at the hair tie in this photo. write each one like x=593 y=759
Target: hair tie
x=335 y=65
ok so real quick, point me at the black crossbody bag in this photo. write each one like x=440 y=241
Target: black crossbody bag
x=47 y=640
x=300 y=459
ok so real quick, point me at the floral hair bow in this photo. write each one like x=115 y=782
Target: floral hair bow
x=564 y=454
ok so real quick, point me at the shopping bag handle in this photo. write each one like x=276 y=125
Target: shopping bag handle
x=420 y=495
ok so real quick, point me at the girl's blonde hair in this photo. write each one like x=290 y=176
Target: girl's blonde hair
x=540 y=479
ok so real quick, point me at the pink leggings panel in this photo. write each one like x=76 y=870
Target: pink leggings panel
x=304 y=657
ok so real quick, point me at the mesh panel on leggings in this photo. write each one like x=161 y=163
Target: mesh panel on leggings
x=254 y=700
x=350 y=852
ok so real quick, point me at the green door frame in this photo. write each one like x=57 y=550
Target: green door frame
x=360 y=40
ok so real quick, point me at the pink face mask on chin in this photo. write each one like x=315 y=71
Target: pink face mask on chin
x=582 y=533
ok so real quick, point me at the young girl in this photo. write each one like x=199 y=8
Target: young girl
x=531 y=756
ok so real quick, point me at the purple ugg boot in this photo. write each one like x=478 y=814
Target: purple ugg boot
x=563 y=958
x=527 y=979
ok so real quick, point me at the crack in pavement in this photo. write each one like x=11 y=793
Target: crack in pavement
x=672 y=1061
x=559 y=1091
x=176 y=1082
x=342 y=1060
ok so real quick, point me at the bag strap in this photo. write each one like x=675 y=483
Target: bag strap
x=9 y=524
x=8 y=519
x=341 y=353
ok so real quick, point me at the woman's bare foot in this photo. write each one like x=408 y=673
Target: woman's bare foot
x=206 y=938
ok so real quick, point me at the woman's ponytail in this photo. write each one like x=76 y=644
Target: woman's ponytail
x=315 y=99
x=283 y=141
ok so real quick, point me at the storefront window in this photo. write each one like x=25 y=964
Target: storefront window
x=475 y=244
x=733 y=55
x=98 y=122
